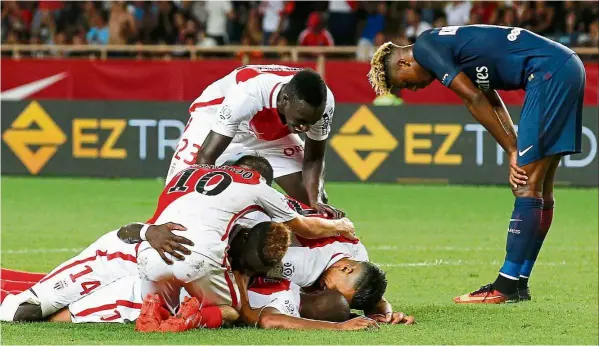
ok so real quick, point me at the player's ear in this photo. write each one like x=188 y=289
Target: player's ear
x=403 y=63
x=347 y=269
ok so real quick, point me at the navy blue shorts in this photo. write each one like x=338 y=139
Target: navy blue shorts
x=551 y=120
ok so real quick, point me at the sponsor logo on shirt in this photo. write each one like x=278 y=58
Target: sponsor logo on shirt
x=482 y=77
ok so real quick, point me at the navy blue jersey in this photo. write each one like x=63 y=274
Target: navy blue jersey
x=493 y=57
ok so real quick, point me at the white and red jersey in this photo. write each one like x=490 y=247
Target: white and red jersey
x=209 y=200
x=282 y=295
x=307 y=259
x=247 y=104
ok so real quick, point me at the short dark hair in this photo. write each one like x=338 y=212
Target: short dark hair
x=308 y=86
x=258 y=164
x=370 y=287
x=261 y=246
x=327 y=305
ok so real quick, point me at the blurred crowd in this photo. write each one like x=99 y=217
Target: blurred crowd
x=308 y=23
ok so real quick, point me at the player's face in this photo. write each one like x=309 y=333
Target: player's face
x=299 y=116
x=410 y=75
x=343 y=279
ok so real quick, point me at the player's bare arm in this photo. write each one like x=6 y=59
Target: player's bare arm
x=312 y=169
x=271 y=318
x=517 y=175
x=489 y=111
x=160 y=237
x=214 y=145
x=314 y=227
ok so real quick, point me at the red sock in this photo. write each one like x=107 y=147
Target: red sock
x=212 y=318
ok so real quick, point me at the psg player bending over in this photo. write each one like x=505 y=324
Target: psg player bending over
x=474 y=61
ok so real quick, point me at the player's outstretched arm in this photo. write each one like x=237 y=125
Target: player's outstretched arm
x=160 y=237
x=271 y=318
x=214 y=145
x=316 y=227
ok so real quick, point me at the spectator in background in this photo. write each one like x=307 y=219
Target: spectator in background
x=164 y=32
x=415 y=26
x=121 y=24
x=342 y=18
x=272 y=12
x=544 y=18
x=593 y=40
x=441 y=21
x=98 y=33
x=375 y=23
x=457 y=12
x=315 y=33
x=509 y=18
x=219 y=12
x=253 y=34
x=12 y=20
x=481 y=12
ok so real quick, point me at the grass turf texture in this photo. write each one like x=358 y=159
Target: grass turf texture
x=435 y=242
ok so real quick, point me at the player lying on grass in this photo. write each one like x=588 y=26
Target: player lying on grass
x=120 y=302
x=210 y=200
x=102 y=283
x=211 y=219
x=261 y=109
x=474 y=61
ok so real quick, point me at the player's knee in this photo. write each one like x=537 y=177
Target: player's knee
x=27 y=312
x=528 y=190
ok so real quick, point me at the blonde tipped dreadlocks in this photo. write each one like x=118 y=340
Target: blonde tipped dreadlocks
x=378 y=74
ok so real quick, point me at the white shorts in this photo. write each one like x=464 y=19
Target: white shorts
x=285 y=155
x=103 y=262
x=204 y=278
x=117 y=302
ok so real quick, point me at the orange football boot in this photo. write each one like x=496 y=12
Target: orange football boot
x=152 y=312
x=485 y=295
x=188 y=317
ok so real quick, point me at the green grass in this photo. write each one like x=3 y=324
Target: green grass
x=461 y=230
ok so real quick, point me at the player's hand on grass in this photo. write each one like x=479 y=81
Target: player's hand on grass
x=346 y=229
x=162 y=239
x=358 y=323
x=393 y=318
x=330 y=211
x=518 y=176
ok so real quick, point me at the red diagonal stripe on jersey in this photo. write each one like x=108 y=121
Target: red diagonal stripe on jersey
x=206 y=104
x=99 y=253
x=268 y=287
x=114 y=305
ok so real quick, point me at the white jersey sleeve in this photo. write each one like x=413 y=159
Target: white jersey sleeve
x=283 y=296
x=275 y=204
x=238 y=106
x=320 y=131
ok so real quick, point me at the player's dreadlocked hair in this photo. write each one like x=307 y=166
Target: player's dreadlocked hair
x=378 y=74
x=259 y=247
x=370 y=287
x=257 y=163
x=308 y=86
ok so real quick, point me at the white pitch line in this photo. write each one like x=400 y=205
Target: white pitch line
x=31 y=251
x=442 y=262
x=475 y=248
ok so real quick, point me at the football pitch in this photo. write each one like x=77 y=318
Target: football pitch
x=434 y=242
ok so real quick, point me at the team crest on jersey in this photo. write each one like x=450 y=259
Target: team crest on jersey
x=289 y=306
x=281 y=271
x=224 y=113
